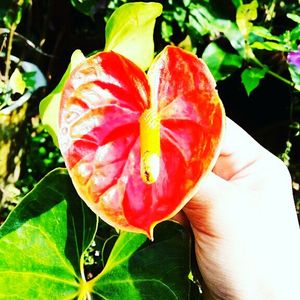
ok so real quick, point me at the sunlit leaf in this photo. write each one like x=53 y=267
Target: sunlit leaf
x=222 y=64
x=42 y=240
x=245 y=14
x=129 y=31
x=49 y=106
x=264 y=33
x=269 y=46
x=251 y=78
x=294 y=17
x=16 y=82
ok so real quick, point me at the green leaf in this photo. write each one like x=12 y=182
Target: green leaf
x=129 y=32
x=166 y=31
x=264 y=33
x=16 y=82
x=222 y=64
x=237 y=3
x=294 y=17
x=43 y=243
x=251 y=78
x=270 y=46
x=201 y=20
x=295 y=34
x=141 y=269
x=245 y=14
x=233 y=34
x=42 y=240
x=49 y=106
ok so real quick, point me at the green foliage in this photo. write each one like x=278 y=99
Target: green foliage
x=42 y=246
x=52 y=245
x=251 y=78
x=129 y=31
x=221 y=63
x=11 y=11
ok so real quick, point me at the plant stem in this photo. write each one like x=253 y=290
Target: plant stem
x=257 y=62
x=8 y=54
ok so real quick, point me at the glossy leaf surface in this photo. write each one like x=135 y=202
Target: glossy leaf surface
x=100 y=139
x=134 y=268
x=43 y=240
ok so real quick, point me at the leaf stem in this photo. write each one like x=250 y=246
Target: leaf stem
x=270 y=72
x=8 y=54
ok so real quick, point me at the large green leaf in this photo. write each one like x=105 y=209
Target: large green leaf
x=140 y=269
x=42 y=240
x=49 y=106
x=42 y=251
x=251 y=78
x=129 y=31
x=222 y=64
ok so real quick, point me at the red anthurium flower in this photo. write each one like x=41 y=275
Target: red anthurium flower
x=137 y=145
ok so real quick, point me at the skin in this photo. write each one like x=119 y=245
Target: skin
x=247 y=238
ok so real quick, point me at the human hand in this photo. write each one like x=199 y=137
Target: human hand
x=247 y=239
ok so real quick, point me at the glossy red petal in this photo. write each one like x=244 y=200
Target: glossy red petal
x=99 y=124
x=192 y=118
x=99 y=134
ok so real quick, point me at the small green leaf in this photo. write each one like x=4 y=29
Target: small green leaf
x=237 y=3
x=245 y=14
x=42 y=241
x=134 y=268
x=264 y=33
x=187 y=45
x=49 y=106
x=294 y=17
x=222 y=64
x=295 y=34
x=129 y=32
x=251 y=78
x=16 y=82
x=269 y=46
x=166 y=31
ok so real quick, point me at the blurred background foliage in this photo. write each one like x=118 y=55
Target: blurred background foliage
x=246 y=44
